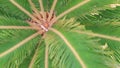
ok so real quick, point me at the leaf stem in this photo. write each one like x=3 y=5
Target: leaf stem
x=34 y=9
x=17 y=27
x=42 y=9
x=99 y=35
x=24 y=10
x=69 y=10
x=46 y=56
x=52 y=9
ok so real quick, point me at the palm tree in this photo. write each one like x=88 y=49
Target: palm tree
x=59 y=34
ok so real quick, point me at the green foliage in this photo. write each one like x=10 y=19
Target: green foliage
x=96 y=16
x=92 y=6
x=11 y=21
x=61 y=54
x=107 y=22
x=12 y=10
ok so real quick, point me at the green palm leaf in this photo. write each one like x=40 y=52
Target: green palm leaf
x=62 y=50
x=35 y=34
x=92 y=6
x=109 y=25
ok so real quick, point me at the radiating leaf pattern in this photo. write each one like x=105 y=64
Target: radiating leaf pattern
x=59 y=34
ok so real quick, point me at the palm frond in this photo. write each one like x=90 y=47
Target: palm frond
x=107 y=23
x=90 y=38
x=9 y=38
x=92 y=6
x=17 y=55
x=61 y=52
x=10 y=9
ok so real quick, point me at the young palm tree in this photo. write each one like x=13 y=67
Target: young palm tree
x=59 y=34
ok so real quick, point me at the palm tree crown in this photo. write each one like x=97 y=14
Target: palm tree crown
x=59 y=34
